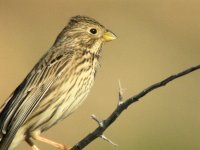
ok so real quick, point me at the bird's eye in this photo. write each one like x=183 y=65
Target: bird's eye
x=93 y=31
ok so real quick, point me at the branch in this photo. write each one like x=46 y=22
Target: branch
x=98 y=132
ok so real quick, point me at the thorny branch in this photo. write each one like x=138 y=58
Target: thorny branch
x=103 y=125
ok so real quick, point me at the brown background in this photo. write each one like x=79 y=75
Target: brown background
x=155 y=39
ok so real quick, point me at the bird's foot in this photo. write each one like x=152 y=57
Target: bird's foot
x=52 y=143
x=64 y=147
x=30 y=142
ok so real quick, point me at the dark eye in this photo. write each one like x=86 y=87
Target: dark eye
x=93 y=31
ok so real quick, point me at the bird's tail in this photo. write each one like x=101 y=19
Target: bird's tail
x=7 y=142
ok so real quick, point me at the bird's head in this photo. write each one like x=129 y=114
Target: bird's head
x=84 y=33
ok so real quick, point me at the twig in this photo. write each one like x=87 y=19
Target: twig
x=120 y=108
x=108 y=140
x=121 y=93
x=100 y=123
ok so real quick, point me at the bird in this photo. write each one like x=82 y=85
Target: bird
x=56 y=86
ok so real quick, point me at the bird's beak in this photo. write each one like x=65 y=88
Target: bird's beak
x=109 y=36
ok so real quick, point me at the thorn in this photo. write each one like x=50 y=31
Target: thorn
x=121 y=93
x=108 y=140
x=100 y=123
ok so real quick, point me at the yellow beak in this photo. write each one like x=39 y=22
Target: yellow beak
x=109 y=36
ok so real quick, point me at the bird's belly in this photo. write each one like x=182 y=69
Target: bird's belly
x=65 y=99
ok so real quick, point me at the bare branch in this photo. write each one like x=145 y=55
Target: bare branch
x=107 y=122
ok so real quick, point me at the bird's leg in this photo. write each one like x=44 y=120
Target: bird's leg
x=33 y=146
x=50 y=142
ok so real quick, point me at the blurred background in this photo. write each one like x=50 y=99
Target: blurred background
x=155 y=39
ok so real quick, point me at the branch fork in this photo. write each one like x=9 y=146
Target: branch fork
x=100 y=123
x=102 y=136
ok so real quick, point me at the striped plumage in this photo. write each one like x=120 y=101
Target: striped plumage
x=57 y=85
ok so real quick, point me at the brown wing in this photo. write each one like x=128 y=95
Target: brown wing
x=28 y=94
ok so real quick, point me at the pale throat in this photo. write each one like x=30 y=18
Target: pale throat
x=95 y=49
